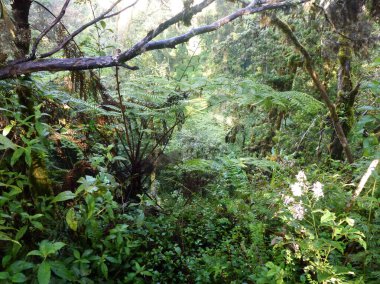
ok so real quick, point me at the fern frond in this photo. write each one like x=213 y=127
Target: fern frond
x=262 y=164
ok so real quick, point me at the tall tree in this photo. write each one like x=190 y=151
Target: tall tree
x=347 y=19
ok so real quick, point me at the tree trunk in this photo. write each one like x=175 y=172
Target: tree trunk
x=309 y=65
x=345 y=99
x=38 y=176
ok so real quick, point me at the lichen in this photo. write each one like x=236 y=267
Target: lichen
x=7 y=46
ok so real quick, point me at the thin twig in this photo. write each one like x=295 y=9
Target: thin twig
x=103 y=16
x=47 y=29
x=306 y=132
x=130 y=145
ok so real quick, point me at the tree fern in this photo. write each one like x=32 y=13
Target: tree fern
x=262 y=164
x=247 y=92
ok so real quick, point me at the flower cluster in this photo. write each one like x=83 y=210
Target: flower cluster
x=317 y=190
x=298 y=211
x=299 y=188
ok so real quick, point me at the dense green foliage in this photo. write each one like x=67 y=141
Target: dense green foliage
x=208 y=165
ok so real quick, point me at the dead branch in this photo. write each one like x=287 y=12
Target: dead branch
x=87 y=63
x=47 y=29
x=104 y=15
x=361 y=184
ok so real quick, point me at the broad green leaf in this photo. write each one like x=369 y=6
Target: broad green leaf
x=341 y=270
x=327 y=217
x=44 y=273
x=5 y=237
x=20 y=265
x=90 y=206
x=47 y=247
x=71 y=219
x=323 y=276
x=6 y=259
x=60 y=270
x=34 y=252
x=4 y=275
x=15 y=190
x=16 y=155
x=41 y=129
x=6 y=228
x=146 y=273
x=362 y=243
x=6 y=143
x=76 y=254
x=7 y=129
x=21 y=232
x=63 y=196
x=15 y=249
x=113 y=260
x=35 y=216
x=28 y=156
x=37 y=225
x=104 y=269
x=18 y=278
x=177 y=250
x=335 y=244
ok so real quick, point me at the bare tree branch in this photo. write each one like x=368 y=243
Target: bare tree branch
x=86 y=63
x=172 y=42
x=135 y=50
x=47 y=29
x=54 y=16
x=106 y=97
x=361 y=184
x=103 y=16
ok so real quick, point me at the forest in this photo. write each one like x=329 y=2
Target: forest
x=189 y=141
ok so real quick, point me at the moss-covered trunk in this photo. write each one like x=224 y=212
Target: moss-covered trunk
x=38 y=176
x=345 y=98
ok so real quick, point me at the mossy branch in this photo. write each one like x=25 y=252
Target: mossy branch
x=284 y=27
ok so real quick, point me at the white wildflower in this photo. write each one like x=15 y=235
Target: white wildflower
x=288 y=200
x=298 y=211
x=296 y=189
x=317 y=190
x=301 y=177
x=295 y=247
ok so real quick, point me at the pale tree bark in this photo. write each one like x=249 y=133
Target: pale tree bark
x=7 y=36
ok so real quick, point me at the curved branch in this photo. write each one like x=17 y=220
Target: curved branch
x=85 y=26
x=172 y=42
x=61 y=23
x=86 y=63
x=146 y=45
x=46 y=30
x=317 y=82
x=135 y=50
